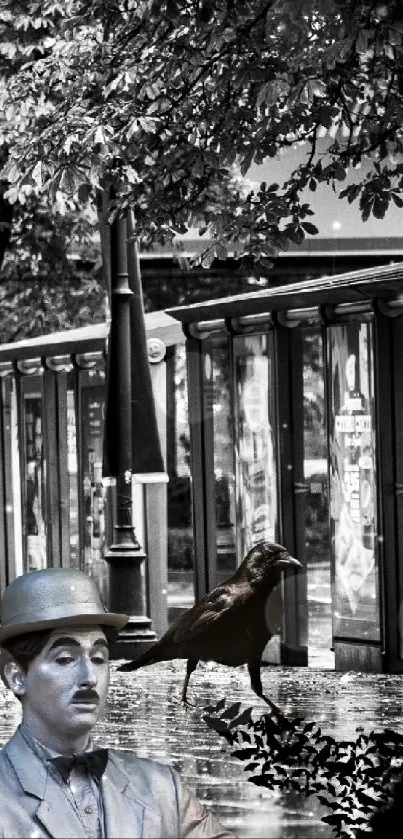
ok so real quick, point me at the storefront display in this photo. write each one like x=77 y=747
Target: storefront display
x=224 y=466
x=353 y=482
x=93 y=490
x=72 y=472
x=255 y=444
x=34 y=486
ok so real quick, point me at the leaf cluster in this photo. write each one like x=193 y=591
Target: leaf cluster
x=177 y=99
x=353 y=779
x=47 y=284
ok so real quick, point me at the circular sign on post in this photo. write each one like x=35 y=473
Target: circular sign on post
x=156 y=350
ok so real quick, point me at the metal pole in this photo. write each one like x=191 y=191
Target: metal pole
x=125 y=556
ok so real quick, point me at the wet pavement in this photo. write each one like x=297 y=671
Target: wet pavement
x=144 y=715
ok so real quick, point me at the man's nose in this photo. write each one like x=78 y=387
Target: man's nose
x=88 y=676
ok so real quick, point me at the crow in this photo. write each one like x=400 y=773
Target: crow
x=232 y=624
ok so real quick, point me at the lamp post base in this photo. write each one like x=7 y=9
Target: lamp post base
x=127 y=595
x=136 y=637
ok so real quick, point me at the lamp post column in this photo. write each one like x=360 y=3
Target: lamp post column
x=125 y=557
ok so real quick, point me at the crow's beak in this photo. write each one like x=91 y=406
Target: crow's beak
x=289 y=562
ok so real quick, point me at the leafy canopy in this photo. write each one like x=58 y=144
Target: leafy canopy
x=175 y=99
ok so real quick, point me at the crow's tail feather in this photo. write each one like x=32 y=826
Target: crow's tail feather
x=148 y=657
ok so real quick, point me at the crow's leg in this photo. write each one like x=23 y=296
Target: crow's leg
x=256 y=684
x=190 y=666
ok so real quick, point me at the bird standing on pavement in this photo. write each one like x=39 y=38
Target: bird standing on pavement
x=232 y=624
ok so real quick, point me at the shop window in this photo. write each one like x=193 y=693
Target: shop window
x=181 y=593
x=317 y=548
x=256 y=496
x=353 y=482
x=224 y=463
x=34 y=476
x=93 y=491
x=72 y=474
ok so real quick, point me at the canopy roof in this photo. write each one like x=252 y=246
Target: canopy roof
x=383 y=283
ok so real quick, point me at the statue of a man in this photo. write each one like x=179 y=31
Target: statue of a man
x=53 y=783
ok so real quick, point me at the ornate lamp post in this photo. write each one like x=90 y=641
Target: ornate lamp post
x=125 y=557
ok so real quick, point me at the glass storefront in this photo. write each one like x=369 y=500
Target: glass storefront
x=353 y=482
x=317 y=546
x=181 y=590
x=80 y=454
x=224 y=463
x=92 y=391
x=34 y=472
x=284 y=448
x=72 y=475
x=256 y=496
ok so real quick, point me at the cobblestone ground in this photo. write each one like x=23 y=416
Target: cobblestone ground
x=144 y=715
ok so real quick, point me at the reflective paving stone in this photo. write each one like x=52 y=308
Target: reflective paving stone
x=144 y=715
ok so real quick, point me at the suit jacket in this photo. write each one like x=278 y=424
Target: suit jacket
x=142 y=799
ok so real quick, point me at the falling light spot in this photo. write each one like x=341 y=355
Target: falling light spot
x=336 y=225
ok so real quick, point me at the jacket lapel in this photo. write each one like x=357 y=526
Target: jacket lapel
x=123 y=817
x=52 y=811
x=126 y=816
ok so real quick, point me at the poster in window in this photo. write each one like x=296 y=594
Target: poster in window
x=353 y=483
x=257 y=490
x=35 y=469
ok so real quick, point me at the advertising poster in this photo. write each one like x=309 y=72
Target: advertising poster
x=353 y=482
x=35 y=468
x=93 y=488
x=257 y=495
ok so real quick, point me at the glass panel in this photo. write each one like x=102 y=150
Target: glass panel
x=317 y=533
x=224 y=464
x=34 y=482
x=94 y=492
x=256 y=498
x=181 y=594
x=353 y=485
x=72 y=473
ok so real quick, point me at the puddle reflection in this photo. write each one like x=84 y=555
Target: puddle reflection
x=144 y=715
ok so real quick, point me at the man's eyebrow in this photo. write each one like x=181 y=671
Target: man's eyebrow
x=64 y=641
x=68 y=641
x=101 y=642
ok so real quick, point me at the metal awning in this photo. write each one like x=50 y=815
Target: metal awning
x=88 y=339
x=384 y=283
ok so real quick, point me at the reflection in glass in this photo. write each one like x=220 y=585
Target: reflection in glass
x=223 y=460
x=353 y=484
x=181 y=593
x=35 y=477
x=255 y=444
x=316 y=503
x=72 y=475
x=93 y=490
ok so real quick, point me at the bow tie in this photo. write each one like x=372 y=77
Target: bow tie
x=94 y=763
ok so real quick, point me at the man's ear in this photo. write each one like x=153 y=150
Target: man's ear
x=14 y=676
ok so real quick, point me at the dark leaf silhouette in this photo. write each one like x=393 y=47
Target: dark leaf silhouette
x=353 y=779
x=232 y=711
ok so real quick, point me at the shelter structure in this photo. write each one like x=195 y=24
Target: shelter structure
x=55 y=507
x=296 y=417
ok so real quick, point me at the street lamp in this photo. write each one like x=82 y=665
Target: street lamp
x=130 y=436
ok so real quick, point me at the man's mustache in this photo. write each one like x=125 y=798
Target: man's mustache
x=86 y=695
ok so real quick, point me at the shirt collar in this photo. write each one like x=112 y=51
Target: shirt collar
x=42 y=751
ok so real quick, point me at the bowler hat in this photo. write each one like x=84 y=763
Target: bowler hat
x=50 y=598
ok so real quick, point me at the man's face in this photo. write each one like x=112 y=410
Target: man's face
x=65 y=689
